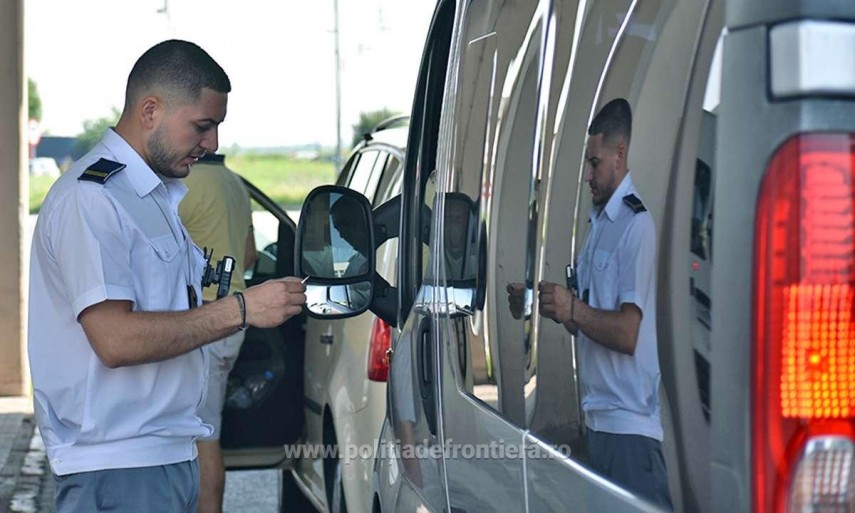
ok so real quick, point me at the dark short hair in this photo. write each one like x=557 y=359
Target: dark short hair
x=180 y=68
x=614 y=119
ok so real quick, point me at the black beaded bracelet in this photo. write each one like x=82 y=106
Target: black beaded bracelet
x=242 y=304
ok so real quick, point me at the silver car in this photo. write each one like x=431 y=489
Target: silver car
x=310 y=396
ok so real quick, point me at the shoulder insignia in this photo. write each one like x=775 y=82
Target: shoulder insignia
x=634 y=203
x=101 y=171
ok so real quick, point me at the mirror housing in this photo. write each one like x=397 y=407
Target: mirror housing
x=335 y=251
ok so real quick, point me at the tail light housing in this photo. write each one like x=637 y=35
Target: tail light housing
x=803 y=426
x=381 y=342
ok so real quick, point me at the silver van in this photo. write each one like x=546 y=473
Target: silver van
x=742 y=150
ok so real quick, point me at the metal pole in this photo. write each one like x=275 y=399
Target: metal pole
x=165 y=11
x=337 y=159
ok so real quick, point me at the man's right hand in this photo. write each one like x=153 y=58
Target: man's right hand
x=516 y=299
x=273 y=302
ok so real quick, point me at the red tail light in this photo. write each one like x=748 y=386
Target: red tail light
x=381 y=342
x=804 y=329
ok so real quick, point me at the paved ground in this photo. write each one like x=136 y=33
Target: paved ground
x=26 y=486
x=19 y=479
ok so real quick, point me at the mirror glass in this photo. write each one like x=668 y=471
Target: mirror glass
x=335 y=241
x=461 y=259
x=338 y=299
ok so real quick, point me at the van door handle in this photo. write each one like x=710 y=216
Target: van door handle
x=425 y=358
x=425 y=368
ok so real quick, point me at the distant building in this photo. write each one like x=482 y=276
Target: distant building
x=61 y=149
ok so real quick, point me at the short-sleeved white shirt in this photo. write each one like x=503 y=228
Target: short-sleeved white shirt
x=121 y=240
x=620 y=393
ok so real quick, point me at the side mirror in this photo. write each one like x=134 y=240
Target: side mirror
x=335 y=251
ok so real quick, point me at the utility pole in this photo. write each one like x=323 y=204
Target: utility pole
x=337 y=90
x=165 y=11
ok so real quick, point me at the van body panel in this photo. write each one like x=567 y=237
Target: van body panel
x=558 y=484
x=499 y=125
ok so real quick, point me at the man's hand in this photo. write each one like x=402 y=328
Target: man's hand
x=555 y=302
x=273 y=302
x=559 y=304
x=516 y=299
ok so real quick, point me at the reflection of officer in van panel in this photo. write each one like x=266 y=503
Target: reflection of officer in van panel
x=460 y=258
x=615 y=318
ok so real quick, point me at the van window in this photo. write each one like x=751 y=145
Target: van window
x=419 y=183
x=490 y=217
x=700 y=246
x=648 y=65
x=477 y=366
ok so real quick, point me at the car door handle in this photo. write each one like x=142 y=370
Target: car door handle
x=328 y=336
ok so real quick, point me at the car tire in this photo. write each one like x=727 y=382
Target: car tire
x=338 y=503
x=291 y=498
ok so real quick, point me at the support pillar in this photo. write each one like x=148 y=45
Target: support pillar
x=14 y=202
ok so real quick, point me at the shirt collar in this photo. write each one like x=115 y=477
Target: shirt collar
x=142 y=178
x=613 y=205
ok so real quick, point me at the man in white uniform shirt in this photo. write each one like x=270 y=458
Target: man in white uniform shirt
x=615 y=316
x=116 y=329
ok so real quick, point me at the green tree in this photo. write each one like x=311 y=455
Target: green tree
x=367 y=122
x=93 y=131
x=34 y=107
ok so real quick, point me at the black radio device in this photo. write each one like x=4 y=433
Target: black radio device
x=221 y=275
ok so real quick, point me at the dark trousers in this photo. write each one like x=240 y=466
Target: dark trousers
x=161 y=489
x=634 y=462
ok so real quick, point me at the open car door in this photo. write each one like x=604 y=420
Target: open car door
x=263 y=407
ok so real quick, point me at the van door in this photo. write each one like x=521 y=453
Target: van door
x=644 y=52
x=263 y=409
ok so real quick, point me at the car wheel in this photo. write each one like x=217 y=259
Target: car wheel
x=291 y=498
x=338 y=503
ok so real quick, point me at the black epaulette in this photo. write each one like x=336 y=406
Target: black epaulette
x=634 y=203
x=101 y=171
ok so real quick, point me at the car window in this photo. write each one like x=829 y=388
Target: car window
x=389 y=181
x=376 y=173
x=266 y=228
x=362 y=171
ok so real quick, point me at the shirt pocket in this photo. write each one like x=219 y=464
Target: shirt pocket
x=165 y=247
x=602 y=259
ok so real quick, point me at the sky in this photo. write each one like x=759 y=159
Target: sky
x=279 y=55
